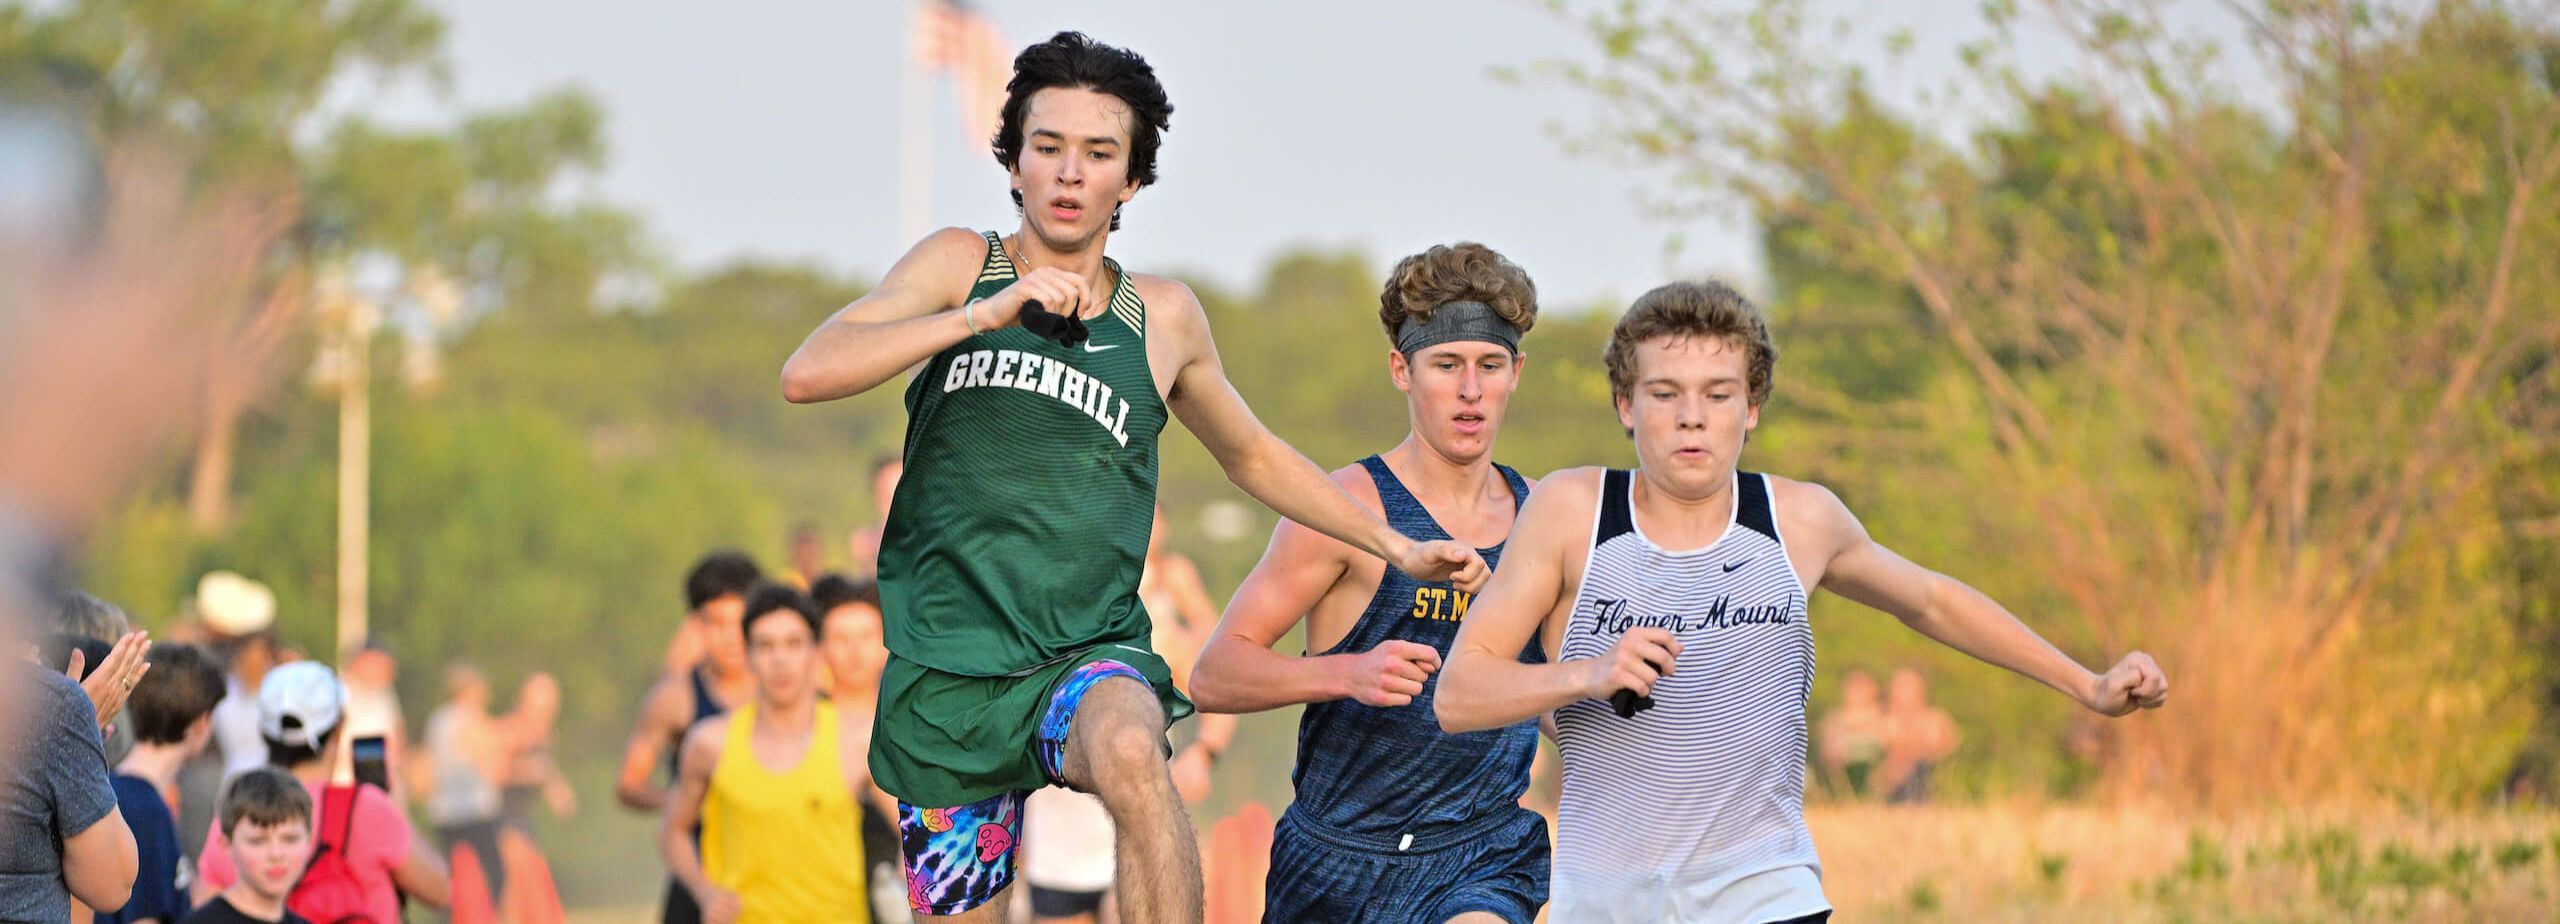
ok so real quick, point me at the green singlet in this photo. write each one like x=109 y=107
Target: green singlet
x=1014 y=545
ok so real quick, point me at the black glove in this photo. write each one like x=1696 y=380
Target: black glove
x=1067 y=329
x=1628 y=703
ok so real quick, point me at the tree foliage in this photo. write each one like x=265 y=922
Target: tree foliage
x=243 y=87
x=2232 y=384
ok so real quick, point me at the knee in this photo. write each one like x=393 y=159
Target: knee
x=1127 y=752
x=1122 y=743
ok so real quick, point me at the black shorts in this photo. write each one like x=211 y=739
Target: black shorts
x=1499 y=869
x=482 y=838
x=1055 y=903
x=680 y=907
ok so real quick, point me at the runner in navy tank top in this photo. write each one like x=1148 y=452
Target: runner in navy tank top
x=715 y=602
x=1673 y=600
x=1376 y=774
x=1394 y=820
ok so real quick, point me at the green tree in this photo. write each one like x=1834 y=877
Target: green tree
x=536 y=510
x=241 y=85
x=2231 y=385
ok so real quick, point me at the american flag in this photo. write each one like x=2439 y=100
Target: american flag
x=952 y=36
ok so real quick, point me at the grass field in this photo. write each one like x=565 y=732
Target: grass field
x=2027 y=862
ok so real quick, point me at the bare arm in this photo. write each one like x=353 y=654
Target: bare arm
x=1216 y=733
x=662 y=718
x=684 y=810
x=557 y=793
x=1182 y=633
x=1485 y=685
x=684 y=649
x=99 y=863
x=421 y=775
x=1199 y=614
x=1240 y=672
x=902 y=321
x=111 y=682
x=1192 y=608
x=1273 y=472
x=422 y=874
x=1191 y=595
x=1960 y=617
x=913 y=314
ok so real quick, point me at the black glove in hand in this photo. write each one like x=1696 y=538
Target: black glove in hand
x=1068 y=330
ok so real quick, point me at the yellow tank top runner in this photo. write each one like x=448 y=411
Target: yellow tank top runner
x=788 y=843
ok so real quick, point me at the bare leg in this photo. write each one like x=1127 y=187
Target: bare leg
x=1115 y=750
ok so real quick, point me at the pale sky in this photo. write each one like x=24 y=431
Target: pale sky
x=768 y=128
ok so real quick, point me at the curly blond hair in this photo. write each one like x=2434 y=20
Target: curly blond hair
x=1462 y=272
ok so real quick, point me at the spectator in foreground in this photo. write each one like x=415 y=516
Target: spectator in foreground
x=172 y=710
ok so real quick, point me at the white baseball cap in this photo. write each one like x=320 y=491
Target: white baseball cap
x=306 y=692
x=234 y=605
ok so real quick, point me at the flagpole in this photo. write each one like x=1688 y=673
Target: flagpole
x=915 y=136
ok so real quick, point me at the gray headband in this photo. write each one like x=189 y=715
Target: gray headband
x=1455 y=321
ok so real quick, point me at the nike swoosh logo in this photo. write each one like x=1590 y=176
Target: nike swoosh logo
x=1089 y=347
x=1736 y=566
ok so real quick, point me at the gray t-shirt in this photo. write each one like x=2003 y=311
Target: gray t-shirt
x=54 y=788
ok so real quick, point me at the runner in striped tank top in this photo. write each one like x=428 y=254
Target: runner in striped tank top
x=1683 y=584
x=1009 y=568
x=1393 y=820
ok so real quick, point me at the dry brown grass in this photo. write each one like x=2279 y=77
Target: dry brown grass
x=643 y=914
x=2026 y=862
x=2045 y=862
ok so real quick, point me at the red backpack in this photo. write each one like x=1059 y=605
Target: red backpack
x=329 y=892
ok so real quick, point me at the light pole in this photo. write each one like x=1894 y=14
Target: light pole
x=347 y=363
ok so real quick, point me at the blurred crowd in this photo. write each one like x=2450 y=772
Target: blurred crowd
x=126 y=753
x=1880 y=744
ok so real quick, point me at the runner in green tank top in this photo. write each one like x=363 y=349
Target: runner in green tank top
x=1009 y=566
